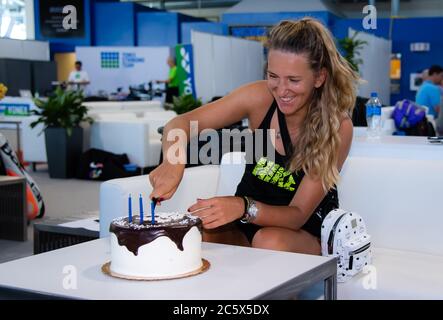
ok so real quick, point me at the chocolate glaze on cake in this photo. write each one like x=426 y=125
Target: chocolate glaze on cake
x=134 y=235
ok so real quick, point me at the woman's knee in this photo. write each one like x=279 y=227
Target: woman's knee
x=269 y=238
x=283 y=239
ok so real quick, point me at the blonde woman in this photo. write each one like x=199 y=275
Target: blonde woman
x=307 y=98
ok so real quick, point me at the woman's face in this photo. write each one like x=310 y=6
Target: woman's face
x=291 y=80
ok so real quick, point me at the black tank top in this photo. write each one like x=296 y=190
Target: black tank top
x=270 y=182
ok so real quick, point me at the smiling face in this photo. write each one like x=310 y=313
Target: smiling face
x=291 y=80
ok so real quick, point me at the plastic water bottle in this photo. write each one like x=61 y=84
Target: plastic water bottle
x=373 y=116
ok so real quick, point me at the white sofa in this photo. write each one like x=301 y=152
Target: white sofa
x=137 y=107
x=137 y=137
x=33 y=143
x=395 y=184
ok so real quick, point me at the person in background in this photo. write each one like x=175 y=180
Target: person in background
x=305 y=102
x=429 y=93
x=78 y=78
x=172 y=81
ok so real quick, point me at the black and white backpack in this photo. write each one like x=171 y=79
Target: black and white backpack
x=343 y=235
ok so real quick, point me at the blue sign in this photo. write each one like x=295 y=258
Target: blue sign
x=14 y=109
x=185 y=69
x=130 y=59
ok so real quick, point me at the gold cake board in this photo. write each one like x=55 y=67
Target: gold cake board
x=106 y=269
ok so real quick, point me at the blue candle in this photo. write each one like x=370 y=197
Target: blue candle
x=129 y=209
x=153 y=202
x=140 y=201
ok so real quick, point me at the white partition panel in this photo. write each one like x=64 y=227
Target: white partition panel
x=203 y=65
x=239 y=62
x=376 y=56
x=255 y=58
x=222 y=64
x=224 y=77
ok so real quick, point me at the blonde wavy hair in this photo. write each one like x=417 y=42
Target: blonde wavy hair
x=317 y=147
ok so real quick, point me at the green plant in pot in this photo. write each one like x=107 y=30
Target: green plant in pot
x=351 y=49
x=61 y=115
x=185 y=103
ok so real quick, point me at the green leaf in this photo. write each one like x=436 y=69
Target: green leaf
x=62 y=109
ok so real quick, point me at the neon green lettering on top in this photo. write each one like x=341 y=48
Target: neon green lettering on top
x=289 y=184
x=264 y=172
x=277 y=175
x=259 y=166
x=281 y=181
x=271 y=172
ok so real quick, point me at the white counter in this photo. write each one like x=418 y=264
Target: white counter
x=396 y=147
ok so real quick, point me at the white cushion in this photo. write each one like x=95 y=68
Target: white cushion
x=397 y=275
x=399 y=200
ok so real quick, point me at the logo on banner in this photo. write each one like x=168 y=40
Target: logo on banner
x=130 y=59
x=110 y=60
x=185 y=70
x=14 y=109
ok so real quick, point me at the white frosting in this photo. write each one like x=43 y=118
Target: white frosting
x=160 y=257
x=161 y=218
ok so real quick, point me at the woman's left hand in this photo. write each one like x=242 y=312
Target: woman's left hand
x=218 y=211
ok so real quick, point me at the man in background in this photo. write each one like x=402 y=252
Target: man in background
x=172 y=81
x=429 y=92
x=78 y=78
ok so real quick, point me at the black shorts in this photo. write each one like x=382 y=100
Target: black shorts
x=313 y=226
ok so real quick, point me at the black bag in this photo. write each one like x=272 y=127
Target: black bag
x=101 y=165
x=422 y=128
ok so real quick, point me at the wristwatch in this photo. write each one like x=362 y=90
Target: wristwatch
x=251 y=210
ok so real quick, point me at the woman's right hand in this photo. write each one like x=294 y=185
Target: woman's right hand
x=165 y=180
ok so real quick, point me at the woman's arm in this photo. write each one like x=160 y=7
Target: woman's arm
x=243 y=102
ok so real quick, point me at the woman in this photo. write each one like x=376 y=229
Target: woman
x=307 y=99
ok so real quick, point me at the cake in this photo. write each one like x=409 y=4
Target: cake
x=169 y=248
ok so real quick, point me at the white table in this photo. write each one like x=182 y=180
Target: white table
x=235 y=273
x=396 y=147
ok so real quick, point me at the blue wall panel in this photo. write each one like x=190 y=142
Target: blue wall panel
x=157 y=29
x=114 y=24
x=208 y=27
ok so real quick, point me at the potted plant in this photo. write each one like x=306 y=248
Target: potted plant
x=185 y=103
x=351 y=47
x=61 y=115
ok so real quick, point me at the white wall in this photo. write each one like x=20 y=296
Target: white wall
x=153 y=67
x=222 y=64
x=375 y=67
x=24 y=49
